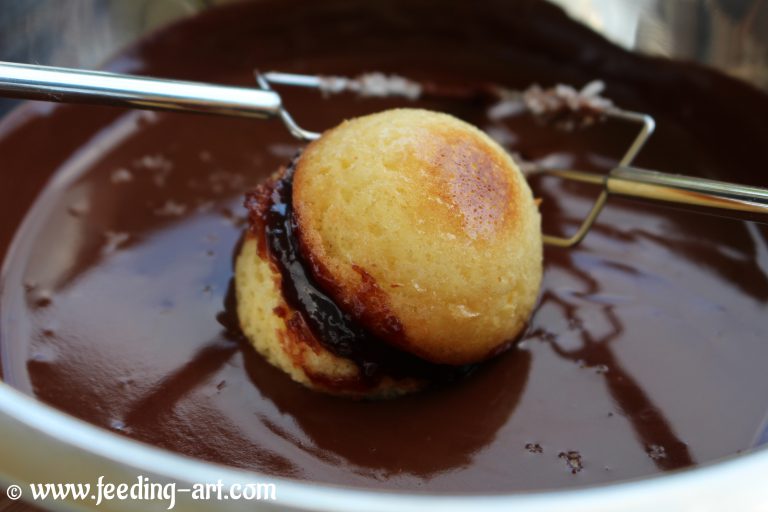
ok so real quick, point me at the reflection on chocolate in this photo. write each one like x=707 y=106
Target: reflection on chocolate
x=647 y=336
x=649 y=424
x=369 y=434
x=205 y=363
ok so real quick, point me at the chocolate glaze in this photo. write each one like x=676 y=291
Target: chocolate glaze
x=649 y=336
x=270 y=209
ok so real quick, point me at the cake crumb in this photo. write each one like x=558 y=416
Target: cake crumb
x=573 y=460
x=121 y=175
x=377 y=85
x=656 y=452
x=113 y=241
x=567 y=107
x=171 y=209
x=534 y=448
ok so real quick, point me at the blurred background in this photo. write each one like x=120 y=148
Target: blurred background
x=731 y=35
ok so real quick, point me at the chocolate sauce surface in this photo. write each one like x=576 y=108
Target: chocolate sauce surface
x=646 y=354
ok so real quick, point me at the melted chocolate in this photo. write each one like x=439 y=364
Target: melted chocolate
x=114 y=305
x=333 y=327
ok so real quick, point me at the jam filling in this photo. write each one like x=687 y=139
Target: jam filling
x=334 y=328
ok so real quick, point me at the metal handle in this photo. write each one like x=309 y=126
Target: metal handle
x=73 y=85
x=741 y=202
x=701 y=195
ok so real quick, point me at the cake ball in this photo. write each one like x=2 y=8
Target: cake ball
x=398 y=249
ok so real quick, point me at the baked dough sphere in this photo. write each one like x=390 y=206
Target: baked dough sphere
x=424 y=229
x=279 y=334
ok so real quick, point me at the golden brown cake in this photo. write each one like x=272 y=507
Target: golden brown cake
x=419 y=227
x=281 y=335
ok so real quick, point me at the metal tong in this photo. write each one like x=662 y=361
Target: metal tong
x=79 y=86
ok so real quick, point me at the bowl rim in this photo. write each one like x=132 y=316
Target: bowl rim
x=713 y=485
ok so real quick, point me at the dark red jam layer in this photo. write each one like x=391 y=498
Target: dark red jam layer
x=333 y=327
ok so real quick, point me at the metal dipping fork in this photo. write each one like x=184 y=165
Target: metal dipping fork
x=79 y=86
